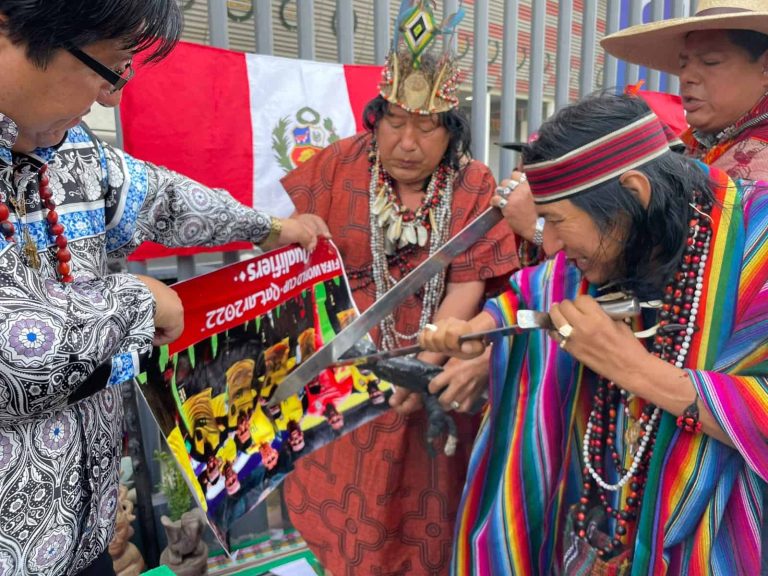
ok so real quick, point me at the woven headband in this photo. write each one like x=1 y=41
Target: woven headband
x=599 y=161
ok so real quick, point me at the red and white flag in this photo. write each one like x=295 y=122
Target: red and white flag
x=240 y=121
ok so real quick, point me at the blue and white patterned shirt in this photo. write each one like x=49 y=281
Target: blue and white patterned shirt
x=59 y=454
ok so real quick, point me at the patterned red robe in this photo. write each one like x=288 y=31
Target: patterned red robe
x=373 y=501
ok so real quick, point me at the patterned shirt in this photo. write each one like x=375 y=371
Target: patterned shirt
x=58 y=457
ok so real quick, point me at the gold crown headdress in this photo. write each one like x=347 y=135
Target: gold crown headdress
x=414 y=77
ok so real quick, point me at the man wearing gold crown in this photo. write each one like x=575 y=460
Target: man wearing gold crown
x=373 y=501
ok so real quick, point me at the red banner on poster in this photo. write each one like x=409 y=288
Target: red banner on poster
x=241 y=292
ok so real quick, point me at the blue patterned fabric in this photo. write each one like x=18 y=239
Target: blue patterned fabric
x=58 y=458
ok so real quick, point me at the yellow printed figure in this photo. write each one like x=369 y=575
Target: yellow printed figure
x=240 y=393
x=206 y=432
x=346 y=316
x=278 y=363
x=252 y=432
x=290 y=409
x=307 y=345
x=360 y=378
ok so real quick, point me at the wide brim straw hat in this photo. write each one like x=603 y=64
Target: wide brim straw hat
x=657 y=45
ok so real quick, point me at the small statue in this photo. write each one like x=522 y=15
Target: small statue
x=126 y=558
x=187 y=553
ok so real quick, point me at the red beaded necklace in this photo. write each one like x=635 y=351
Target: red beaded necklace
x=675 y=333
x=63 y=255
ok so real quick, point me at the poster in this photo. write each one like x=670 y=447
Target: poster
x=246 y=327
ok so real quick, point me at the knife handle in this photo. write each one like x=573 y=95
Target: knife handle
x=617 y=309
x=621 y=308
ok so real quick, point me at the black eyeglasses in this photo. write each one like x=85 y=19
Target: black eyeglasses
x=117 y=78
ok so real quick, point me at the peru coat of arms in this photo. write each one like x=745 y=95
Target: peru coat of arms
x=294 y=141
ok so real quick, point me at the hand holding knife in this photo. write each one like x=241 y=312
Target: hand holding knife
x=526 y=320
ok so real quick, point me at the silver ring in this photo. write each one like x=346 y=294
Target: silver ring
x=503 y=191
x=565 y=331
x=523 y=178
x=455 y=405
x=430 y=327
x=502 y=203
x=562 y=343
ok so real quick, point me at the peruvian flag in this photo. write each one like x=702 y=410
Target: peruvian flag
x=240 y=121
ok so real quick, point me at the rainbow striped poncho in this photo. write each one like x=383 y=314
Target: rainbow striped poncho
x=702 y=508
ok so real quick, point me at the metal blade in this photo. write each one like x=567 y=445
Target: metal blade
x=532 y=319
x=373 y=358
x=406 y=350
x=409 y=285
x=526 y=320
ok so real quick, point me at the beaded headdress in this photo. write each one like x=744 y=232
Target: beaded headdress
x=416 y=76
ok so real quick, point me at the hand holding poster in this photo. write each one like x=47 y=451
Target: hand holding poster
x=246 y=327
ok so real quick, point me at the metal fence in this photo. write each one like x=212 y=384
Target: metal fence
x=534 y=56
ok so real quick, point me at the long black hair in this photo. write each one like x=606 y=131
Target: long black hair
x=653 y=238
x=45 y=27
x=454 y=121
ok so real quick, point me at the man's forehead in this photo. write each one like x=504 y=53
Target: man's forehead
x=395 y=110
x=707 y=41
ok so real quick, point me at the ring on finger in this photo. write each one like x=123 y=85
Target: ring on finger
x=565 y=331
x=430 y=327
x=503 y=191
x=562 y=343
x=455 y=405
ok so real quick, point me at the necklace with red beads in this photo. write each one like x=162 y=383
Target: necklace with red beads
x=403 y=226
x=56 y=228
x=600 y=451
x=394 y=228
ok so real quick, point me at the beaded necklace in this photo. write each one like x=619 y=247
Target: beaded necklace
x=396 y=228
x=672 y=341
x=63 y=255
x=403 y=225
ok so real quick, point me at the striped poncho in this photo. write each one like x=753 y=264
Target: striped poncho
x=702 y=508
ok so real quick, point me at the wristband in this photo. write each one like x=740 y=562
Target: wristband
x=275 y=227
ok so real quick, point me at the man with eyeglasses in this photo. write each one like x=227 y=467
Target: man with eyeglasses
x=69 y=330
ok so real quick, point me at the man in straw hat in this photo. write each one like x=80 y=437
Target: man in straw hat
x=721 y=57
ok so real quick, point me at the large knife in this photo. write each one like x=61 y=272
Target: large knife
x=408 y=285
x=526 y=320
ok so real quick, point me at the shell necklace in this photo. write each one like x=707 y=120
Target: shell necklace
x=405 y=226
x=394 y=227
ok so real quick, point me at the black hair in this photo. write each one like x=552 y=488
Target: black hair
x=755 y=43
x=653 y=238
x=44 y=27
x=454 y=121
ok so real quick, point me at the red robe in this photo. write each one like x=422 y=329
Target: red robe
x=373 y=501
